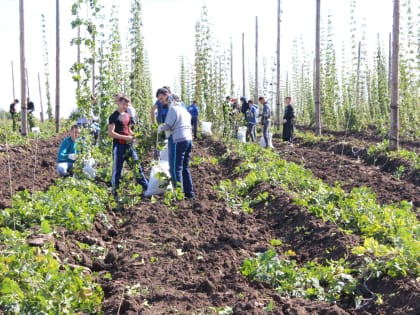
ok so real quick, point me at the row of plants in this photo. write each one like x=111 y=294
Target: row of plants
x=33 y=279
x=390 y=232
x=401 y=154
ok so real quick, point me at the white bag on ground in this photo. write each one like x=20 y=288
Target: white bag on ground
x=206 y=128
x=242 y=134
x=88 y=169
x=262 y=141
x=164 y=154
x=160 y=179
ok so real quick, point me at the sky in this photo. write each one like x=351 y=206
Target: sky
x=169 y=30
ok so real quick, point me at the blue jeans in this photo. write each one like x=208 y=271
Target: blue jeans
x=121 y=153
x=63 y=168
x=179 y=155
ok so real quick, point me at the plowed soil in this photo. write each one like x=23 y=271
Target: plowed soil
x=154 y=259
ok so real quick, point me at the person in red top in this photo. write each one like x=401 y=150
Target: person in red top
x=122 y=149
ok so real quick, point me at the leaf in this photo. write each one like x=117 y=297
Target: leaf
x=276 y=242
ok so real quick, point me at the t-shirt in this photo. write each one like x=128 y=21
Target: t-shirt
x=122 y=125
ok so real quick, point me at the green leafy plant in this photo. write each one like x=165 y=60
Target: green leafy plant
x=31 y=279
x=312 y=281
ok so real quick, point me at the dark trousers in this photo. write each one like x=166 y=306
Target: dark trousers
x=194 y=124
x=288 y=132
x=179 y=155
x=121 y=153
x=14 y=121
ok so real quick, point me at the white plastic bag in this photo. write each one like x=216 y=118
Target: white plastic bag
x=164 y=154
x=242 y=134
x=88 y=169
x=262 y=141
x=160 y=179
x=206 y=128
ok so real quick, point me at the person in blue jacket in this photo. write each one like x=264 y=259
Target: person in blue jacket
x=251 y=116
x=194 y=112
x=67 y=153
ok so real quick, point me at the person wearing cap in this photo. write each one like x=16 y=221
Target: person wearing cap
x=161 y=108
x=178 y=128
x=67 y=153
x=122 y=149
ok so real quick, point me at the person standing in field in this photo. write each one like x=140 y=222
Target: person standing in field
x=265 y=120
x=194 y=112
x=122 y=150
x=12 y=111
x=251 y=116
x=178 y=127
x=288 y=120
x=31 y=109
x=162 y=109
x=67 y=153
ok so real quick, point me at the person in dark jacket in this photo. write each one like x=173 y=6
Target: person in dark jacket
x=265 y=120
x=288 y=120
x=244 y=105
x=12 y=112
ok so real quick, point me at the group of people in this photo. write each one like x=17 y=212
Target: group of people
x=30 y=107
x=173 y=118
x=179 y=123
x=250 y=113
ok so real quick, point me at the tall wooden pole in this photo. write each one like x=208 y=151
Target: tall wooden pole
x=278 y=106
x=57 y=66
x=317 y=70
x=40 y=99
x=256 y=61
x=232 y=86
x=389 y=62
x=27 y=81
x=13 y=82
x=243 y=64
x=395 y=120
x=24 y=128
x=358 y=75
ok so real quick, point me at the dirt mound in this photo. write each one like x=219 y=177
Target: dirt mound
x=332 y=167
x=32 y=167
x=186 y=259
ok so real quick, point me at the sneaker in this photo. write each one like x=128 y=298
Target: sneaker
x=190 y=196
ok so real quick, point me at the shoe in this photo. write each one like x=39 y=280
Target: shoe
x=190 y=196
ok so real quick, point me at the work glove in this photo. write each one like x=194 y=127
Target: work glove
x=284 y=121
x=159 y=130
x=72 y=156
